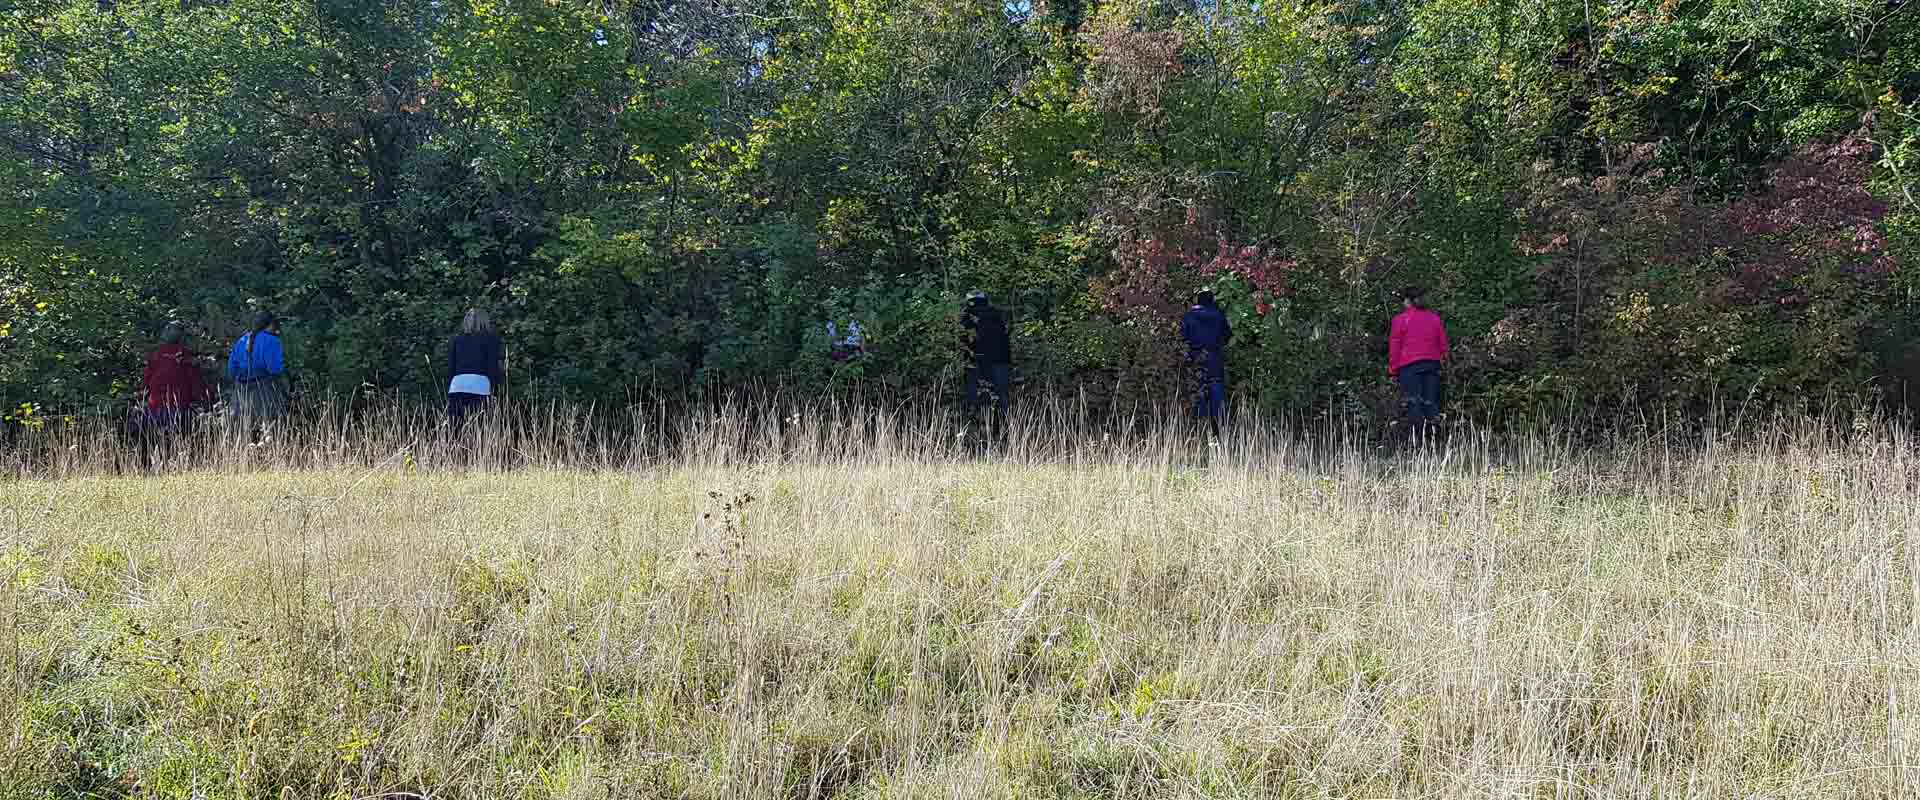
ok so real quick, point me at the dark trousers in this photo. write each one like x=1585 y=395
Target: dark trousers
x=998 y=379
x=461 y=405
x=1209 y=369
x=165 y=421
x=159 y=430
x=1420 y=388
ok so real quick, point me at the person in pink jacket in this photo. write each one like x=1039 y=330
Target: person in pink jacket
x=1416 y=348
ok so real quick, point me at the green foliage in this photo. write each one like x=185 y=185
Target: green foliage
x=678 y=196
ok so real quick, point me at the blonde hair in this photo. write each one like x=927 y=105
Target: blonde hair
x=476 y=322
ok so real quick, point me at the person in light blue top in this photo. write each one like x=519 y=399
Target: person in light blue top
x=258 y=368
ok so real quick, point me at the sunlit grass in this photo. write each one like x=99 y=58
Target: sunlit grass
x=891 y=618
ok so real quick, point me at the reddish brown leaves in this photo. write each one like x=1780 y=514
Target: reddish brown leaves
x=1164 y=256
x=1814 y=212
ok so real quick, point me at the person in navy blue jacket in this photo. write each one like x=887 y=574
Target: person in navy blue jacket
x=258 y=368
x=1207 y=333
x=476 y=361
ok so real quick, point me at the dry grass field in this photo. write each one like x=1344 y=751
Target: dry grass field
x=863 y=610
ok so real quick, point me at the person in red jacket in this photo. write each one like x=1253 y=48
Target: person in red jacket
x=173 y=384
x=1416 y=348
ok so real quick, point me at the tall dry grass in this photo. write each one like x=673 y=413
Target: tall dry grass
x=840 y=602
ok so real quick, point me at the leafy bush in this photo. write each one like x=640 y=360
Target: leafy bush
x=1609 y=204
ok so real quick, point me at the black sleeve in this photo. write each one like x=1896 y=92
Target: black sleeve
x=453 y=357
x=496 y=367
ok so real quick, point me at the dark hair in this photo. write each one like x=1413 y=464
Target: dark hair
x=1415 y=295
x=261 y=322
x=172 y=333
x=1205 y=299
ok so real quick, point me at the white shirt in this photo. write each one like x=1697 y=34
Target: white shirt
x=470 y=384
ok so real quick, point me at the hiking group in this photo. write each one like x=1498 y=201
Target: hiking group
x=260 y=391
x=1417 y=351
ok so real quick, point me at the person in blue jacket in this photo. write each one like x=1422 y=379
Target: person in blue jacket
x=1207 y=333
x=258 y=368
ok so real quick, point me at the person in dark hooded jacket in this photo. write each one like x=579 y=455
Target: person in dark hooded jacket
x=992 y=352
x=1207 y=333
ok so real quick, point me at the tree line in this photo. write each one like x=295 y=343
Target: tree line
x=1613 y=201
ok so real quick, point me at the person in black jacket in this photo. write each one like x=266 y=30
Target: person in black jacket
x=992 y=354
x=476 y=362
